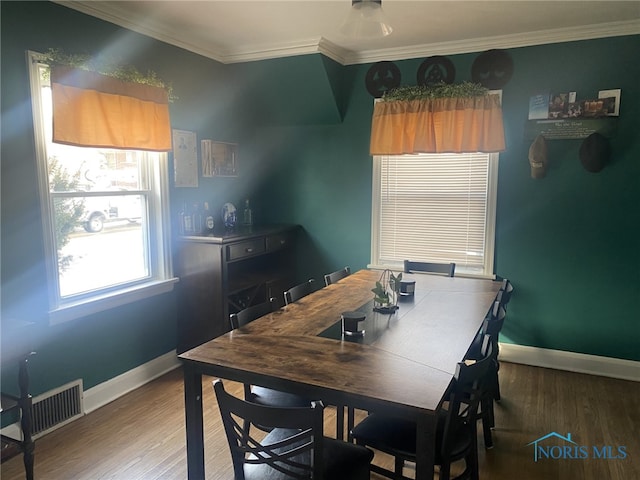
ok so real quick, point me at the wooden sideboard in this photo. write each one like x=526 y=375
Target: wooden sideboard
x=223 y=273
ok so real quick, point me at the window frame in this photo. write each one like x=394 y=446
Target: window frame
x=160 y=279
x=490 y=221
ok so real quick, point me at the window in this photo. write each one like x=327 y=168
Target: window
x=106 y=226
x=435 y=207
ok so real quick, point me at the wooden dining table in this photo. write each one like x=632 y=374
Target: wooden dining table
x=402 y=365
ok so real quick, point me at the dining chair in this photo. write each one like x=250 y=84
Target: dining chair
x=295 y=446
x=296 y=293
x=506 y=290
x=333 y=277
x=21 y=406
x=456 y=431
x=491 y=328
x=249 y=314
x=255 y=393
x=447 y=269
x=330 y=278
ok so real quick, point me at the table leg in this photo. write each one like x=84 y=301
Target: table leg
x=194 y=423
x=425 y=451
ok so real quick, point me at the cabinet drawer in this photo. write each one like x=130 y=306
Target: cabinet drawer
x=279 y=241
x=245 y=249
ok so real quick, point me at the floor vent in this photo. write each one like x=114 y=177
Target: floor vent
x=56 y=408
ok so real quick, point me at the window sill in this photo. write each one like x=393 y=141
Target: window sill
x=459 y=273
x=72 y=311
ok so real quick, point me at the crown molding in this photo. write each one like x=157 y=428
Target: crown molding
x=542 y=37
x=347 y=57
x=112 y=14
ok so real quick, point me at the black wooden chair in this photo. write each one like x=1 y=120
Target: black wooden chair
x=448 y=269
x=255 y=393
x=456 y=432
x=504 y=295
x=333 y=277
x=330 y=278
x=20 y=406
x=296 y=293
x=295 y=446
x=491 y=328
x=249 y=314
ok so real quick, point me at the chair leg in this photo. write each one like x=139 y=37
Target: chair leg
x=26 y=402
x=340 y=422
x=351 y=413
x=487 y=420
x=496 y=383
x=399 y=467
x=445 y=470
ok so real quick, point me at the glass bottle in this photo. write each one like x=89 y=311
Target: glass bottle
x=196 y=219
x=208 y=219
x=247 y=214
x=181 y=215
x=187 y=221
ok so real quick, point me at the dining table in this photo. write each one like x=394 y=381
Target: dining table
x=402 y=364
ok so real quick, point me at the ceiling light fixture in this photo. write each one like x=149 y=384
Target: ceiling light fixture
x=366 y=20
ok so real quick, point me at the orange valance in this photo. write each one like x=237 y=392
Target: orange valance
x=439 y=125
x=93 y=110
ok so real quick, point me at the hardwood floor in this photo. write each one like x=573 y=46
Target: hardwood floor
x=141 y=435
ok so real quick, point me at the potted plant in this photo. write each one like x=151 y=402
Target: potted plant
x=386 y=292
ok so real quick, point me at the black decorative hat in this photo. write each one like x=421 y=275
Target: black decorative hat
x=594 y=152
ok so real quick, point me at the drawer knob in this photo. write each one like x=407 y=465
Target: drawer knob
x=248 y=250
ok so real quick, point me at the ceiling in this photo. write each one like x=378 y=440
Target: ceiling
x=242 y=30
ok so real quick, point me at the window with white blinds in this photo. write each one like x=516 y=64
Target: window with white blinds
x=437 y=208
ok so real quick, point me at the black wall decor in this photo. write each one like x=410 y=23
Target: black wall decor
x=436 y=69
x=382 y=77
x=492 y=69
x=594 y=152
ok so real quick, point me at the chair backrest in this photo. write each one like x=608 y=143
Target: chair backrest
x=504 y=295
x=293 y=448
x=447 y=269
x=333 y=277
x=296 y=293
x=249 y=314
x=466 y=392
x=494 y=322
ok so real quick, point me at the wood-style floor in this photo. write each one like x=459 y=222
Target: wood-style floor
x=141 y=435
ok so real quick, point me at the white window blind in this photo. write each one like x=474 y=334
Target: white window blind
x=435 y=207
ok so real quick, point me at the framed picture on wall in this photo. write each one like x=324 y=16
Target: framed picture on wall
x=219 y=159
x=611 y=99
x=185 y=158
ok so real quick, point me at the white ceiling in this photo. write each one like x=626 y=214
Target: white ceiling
x=243 y=30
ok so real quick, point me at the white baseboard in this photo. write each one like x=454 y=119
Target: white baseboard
x=114 y=388
x=96 y=397
x=571 y=361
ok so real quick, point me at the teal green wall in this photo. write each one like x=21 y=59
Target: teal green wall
x=104 y=345
x=568 y=241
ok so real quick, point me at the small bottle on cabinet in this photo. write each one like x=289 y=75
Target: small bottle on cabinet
x=181 y=220
x=247 y=214
x=187 y=225
x=196 y=219
x=208 y=219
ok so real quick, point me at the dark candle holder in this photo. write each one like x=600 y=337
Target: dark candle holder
x=350 y=322
x=407 y=288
